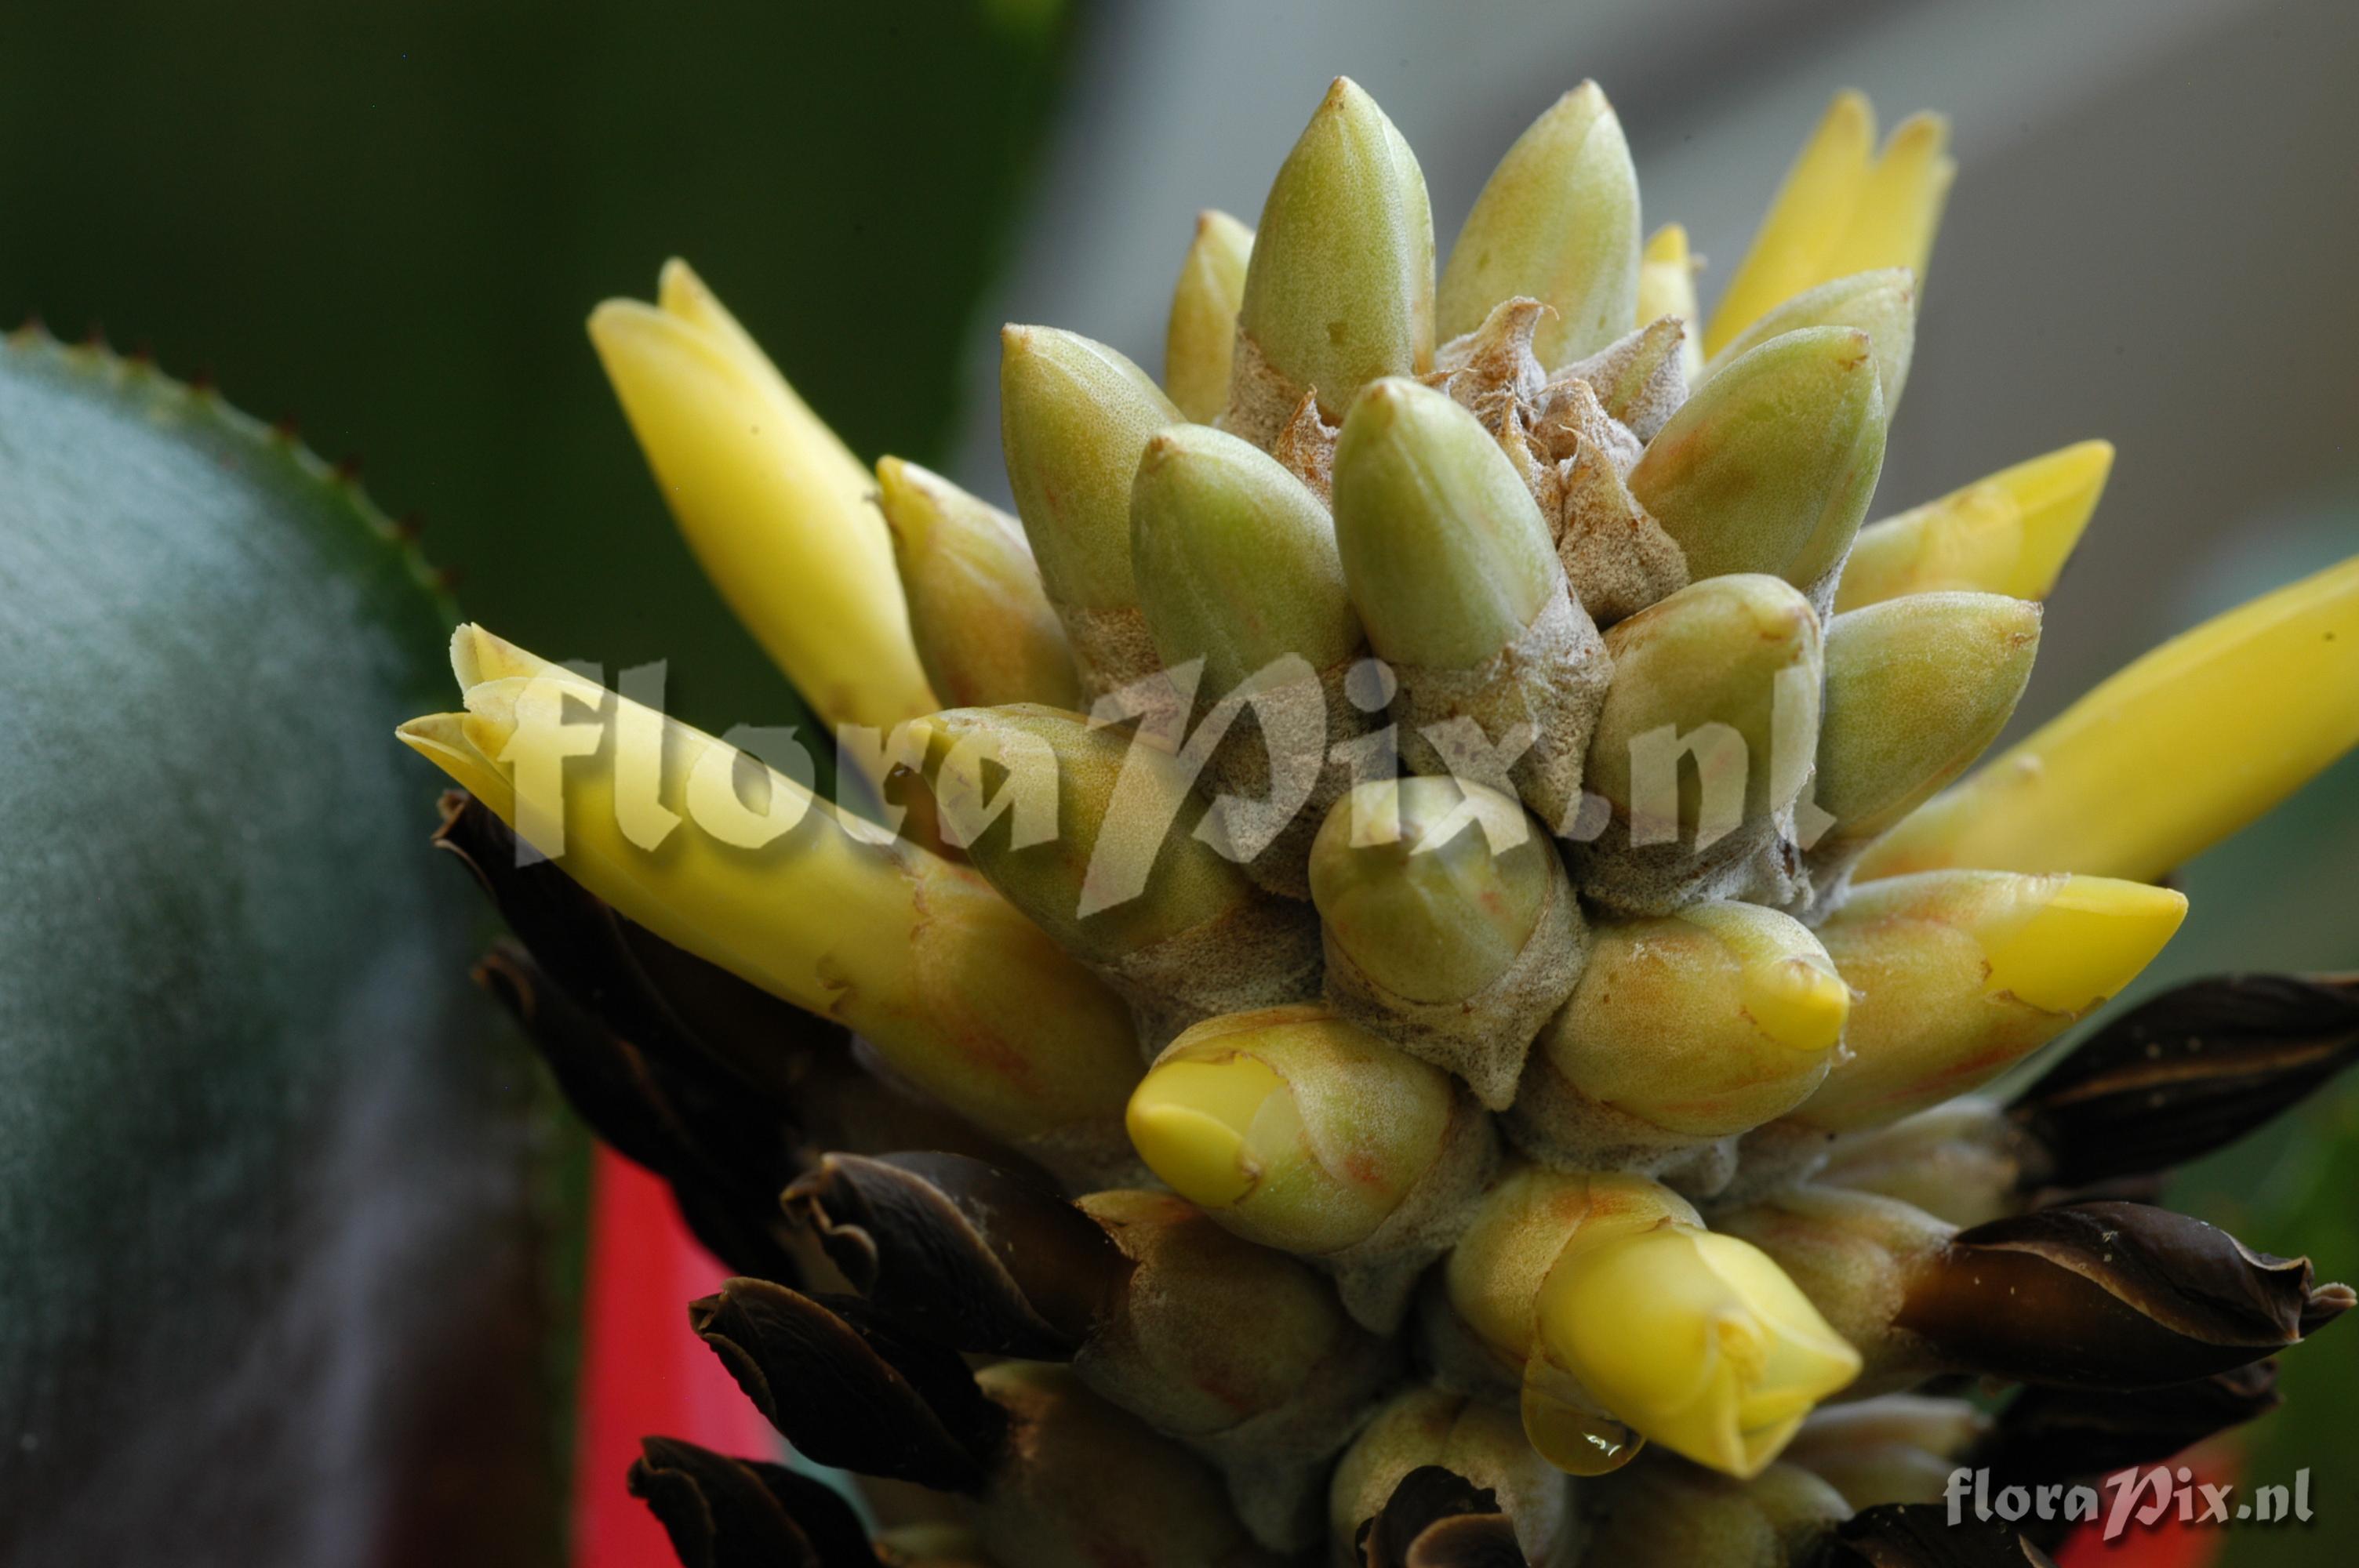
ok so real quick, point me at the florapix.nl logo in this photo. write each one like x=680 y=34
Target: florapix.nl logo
x=2143 y=1498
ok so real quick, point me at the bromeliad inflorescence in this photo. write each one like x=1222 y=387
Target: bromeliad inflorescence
x=1400 y=966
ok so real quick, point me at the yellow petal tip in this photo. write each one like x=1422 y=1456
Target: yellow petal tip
x=1191 y=1122
x=2091 y=938
x=1797 y=1002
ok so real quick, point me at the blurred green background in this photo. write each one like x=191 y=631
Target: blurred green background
x=390 y=221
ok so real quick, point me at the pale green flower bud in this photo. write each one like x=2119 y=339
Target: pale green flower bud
x=1707 y=737
x=1237 y=561
x=1340 y=287
x=1482 y=1441
x=1449 y=927
x=1073 y=418
x=1882 y=304
x=1202 y=332
x=1459 y=586
x=1916 y=688
x=1558 y=223
x=1669 y=1515
x=1302 y=1131
x=1237 y=567
x=1770 y=466
x=985 y=630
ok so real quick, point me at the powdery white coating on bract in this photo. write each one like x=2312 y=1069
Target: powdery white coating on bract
x=1262 y=952
x=1192 y=939
x=1112 y=647
x=1240 y=1352
x=1555 y=1124
x=1570 y=443
x=1240 y=767
x=1550 y=683
x=1306 y=447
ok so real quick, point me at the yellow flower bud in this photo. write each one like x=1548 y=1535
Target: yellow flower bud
x=1301 y=1131
x=1683 y=1032
x=775 y=507
x=1960 y=975
x=985 y=629
x=1204 y=328
x=1696 y=1340
x=2009 y=533
x=1601 y=1294
x=739 y=864
x=2175 y=752
x=1529 y=1218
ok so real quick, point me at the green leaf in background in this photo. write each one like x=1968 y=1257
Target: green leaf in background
x=392 y=221
x=2294 y=1187
x=268 y=1280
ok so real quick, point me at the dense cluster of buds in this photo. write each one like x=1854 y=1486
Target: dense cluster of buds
x=1399 y=971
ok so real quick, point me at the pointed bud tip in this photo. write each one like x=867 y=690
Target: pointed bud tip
x=1342 y=93
x=1800 y=1002
x=613 y=323
x=1778 y=1357
x=2089 y=938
